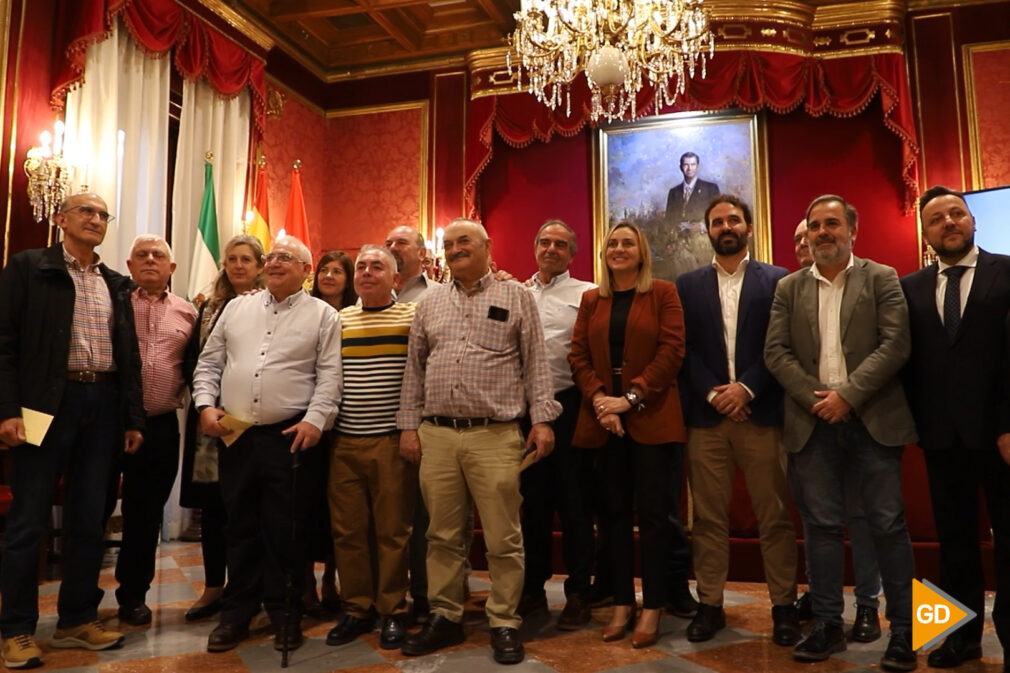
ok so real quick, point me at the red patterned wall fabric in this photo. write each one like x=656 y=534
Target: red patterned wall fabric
x=750 y=80
x=361 y=173
x=157 y=26
x=990 y=69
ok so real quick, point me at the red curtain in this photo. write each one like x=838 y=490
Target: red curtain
x=157 y=26
x=749 y=80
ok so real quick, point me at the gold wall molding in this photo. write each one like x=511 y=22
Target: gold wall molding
x=253 y=30
x=968 y=52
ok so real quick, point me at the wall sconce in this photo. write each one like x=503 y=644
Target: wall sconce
x=434 y=259
x=48 y=174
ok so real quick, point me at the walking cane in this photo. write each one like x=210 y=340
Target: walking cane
x=296 y=461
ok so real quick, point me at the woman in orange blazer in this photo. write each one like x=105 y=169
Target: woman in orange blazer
x=627 y=348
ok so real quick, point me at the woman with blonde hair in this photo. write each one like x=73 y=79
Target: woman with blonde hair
x=241 y=272
x=627 y=348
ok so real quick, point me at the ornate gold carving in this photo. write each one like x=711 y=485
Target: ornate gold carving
x=794 y=36
x=822 y=41
x=275 y=103
x=241 y=23
x=769 y=32
x=787 y=11
x=487 y=59
x=858 y=36
x=852 y=14
x=734 y=31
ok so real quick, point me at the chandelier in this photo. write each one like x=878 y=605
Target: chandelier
x=621 y=45
x=48 y=174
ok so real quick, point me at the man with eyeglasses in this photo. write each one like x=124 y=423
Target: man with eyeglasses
x=272 y=363
x=164 y=323
x=67 y=349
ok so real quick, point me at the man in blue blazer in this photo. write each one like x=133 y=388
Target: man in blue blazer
x=733 y=409
x=958 y=385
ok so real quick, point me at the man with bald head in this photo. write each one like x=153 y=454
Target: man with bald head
x=164 y=323
x=801 y=246
x=476 y=363
x=407 y=246
x=273 y=362
x=68 y=349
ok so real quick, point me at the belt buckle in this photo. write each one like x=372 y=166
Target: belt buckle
x=462 y=423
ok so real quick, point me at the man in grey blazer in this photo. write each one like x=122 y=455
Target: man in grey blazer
x=837 y=338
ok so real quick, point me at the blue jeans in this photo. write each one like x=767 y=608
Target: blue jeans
x=821 y=474
x=82 y=443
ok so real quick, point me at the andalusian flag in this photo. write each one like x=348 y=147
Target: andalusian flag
x=296 y=223
x=206 y=250
x=260 y=224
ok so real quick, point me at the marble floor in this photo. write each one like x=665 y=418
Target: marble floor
x=170 y=645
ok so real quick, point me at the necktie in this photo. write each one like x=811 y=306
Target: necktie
x=952 y=300
x=687 y=197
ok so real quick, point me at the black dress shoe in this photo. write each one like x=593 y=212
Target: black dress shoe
x=576 y=614
x=439 y=632
x=955 y=650
x=393 y=632
x=226 y=637
x=681 y=603
x=866 y=627
x=709 y=620
x=292 y=633
x=204 y=611
x=805 y=607
x=823 y=640
x=899 y=655
x=349 y=628
x=786 y=625
x=136 y=615
x=506 y=646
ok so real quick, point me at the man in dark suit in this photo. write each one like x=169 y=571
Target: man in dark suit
x=687 y=201
x=837 y=339
x=957 y=385
x=733 y=409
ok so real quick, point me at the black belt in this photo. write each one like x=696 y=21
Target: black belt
x=461 y=423
x=91 y=377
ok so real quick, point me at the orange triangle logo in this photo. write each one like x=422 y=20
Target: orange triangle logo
x=935 y=614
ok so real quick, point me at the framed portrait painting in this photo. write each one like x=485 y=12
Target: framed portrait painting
x=661 y=172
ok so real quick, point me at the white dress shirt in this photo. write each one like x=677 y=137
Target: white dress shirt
x=268 y=361
x=730 y=285
x=558 y=303
x=970 y=261
x=832 y=370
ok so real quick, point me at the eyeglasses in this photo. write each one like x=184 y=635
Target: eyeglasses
x=282 y=257
x=88 y=212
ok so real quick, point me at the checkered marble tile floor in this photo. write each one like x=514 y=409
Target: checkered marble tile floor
x=170 y=645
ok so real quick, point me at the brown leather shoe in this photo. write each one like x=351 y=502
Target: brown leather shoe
x=612 y=633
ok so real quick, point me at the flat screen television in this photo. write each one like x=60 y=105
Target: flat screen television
x=991 y=208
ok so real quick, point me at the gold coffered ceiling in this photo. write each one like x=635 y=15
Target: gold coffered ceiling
x=344 y=39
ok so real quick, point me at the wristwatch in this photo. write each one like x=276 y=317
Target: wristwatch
x=634 y=399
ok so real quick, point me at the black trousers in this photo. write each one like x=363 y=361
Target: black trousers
x=636 y=477
x=148 y=476
x=955 y=477
x=267 y=497
x=562 y=482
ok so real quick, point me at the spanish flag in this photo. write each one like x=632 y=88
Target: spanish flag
x=260 y=224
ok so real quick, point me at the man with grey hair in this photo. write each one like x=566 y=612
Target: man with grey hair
x=476 y=363
x=563 y=481
x=163 y=322
x=837 y=339
x=271 y=365
x=372 y=489
x=407 y=246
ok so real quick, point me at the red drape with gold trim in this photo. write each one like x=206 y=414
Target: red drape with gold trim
x=157 y=26
x=750 y=80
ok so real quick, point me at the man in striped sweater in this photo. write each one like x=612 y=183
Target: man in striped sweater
x=369 y=483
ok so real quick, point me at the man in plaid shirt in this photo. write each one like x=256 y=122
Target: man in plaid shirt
x=476 y=362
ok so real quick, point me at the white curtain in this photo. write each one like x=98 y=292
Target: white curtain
x=117 y=139
x=208 y=124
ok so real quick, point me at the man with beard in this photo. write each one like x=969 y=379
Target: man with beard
x=476 y=363
x=956 y=382
x=733 y=409
x=837 y=338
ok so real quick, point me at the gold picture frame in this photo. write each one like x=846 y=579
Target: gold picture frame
x=636 y=170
